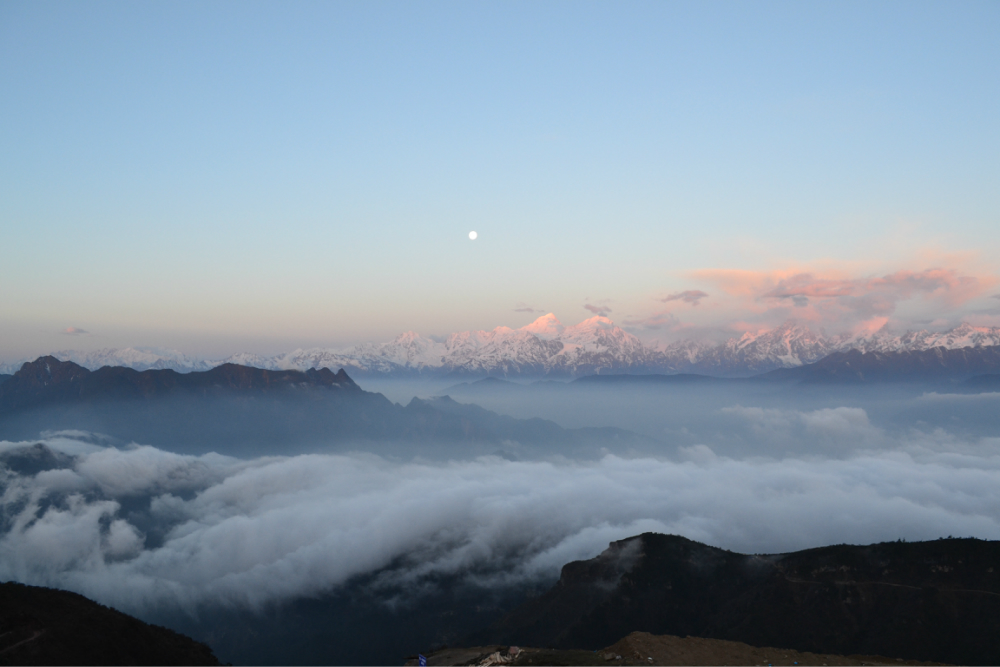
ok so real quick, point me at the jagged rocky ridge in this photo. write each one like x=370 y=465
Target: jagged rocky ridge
x=546 y=348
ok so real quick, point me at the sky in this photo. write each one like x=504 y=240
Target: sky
x=261 y=176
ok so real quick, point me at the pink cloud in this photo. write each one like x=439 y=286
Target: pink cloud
x=832 y=297
x=880 y=294
x=687 y=296
x=74 y=331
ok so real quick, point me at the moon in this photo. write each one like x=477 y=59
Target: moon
x=472 y=236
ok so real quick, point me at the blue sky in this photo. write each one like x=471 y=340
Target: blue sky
x=226 y=176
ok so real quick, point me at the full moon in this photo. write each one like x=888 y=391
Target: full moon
x=472 y=236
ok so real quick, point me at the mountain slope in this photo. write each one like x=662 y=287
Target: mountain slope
x=249 y=411
x=854 y=366
x=44 y=626
x=925 y=601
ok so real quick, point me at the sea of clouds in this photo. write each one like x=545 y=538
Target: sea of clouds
x=140 y=528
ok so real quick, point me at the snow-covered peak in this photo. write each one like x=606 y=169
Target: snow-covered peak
x=545 y=327
x=547 y=347
x=589 y=329
x=139 y=358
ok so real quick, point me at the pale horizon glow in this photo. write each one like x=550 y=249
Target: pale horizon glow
x=263 y=177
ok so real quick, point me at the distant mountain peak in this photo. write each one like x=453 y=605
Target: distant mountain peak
x=546 y=347
x=546 y=326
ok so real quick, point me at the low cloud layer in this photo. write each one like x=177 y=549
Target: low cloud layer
x=140 y=528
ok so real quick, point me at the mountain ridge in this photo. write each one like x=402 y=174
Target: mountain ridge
x=249 y=411
x=937 y=600
x=547 y=348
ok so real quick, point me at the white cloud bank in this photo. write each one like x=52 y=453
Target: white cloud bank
x=270 y=529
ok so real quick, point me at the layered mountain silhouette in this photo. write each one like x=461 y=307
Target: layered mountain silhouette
x=44 y=626
x=936 y=364
x=547 y=348
x=249 y=411
x=935 y=600
x=48 y=381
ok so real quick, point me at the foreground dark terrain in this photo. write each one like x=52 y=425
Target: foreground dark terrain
x=937 y=601
x=643 y=648
x=43 y=626
x=928 y=601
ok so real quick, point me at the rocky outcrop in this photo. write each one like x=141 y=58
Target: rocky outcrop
x=935 y=600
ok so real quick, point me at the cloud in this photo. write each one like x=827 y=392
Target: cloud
x=74 y=331
x=525 y=308
x=212 y=529
x=687 y=296
x=597 y=310
x=995 y=296
x=654 y=322
x=882 y=291
x=838 y=299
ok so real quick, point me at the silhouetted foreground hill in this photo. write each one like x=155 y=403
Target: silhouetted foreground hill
x=937 y=601
x=248 y=411
x=44 y=626
x=936 y=364
x=642 y=648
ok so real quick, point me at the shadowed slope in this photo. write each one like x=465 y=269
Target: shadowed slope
x=44 y=626
x=926 y=601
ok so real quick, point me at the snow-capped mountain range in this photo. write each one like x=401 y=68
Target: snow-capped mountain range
x=548 y=348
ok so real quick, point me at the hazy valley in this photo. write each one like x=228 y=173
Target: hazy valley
x=425 y=517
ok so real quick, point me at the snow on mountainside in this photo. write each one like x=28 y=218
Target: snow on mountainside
x=139 y=358
x=547 y=348
x=786 y=346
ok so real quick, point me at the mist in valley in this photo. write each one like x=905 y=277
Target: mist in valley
x=208 y=538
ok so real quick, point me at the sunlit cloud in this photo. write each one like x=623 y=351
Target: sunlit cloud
x=74 y=331
x=837 y=299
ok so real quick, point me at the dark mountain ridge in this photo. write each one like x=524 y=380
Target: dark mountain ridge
x=48 y=380
x=651 y=379
x=935 y=600
x=968 y=368
x=45 y=626
x=933 y=365
x=242 y=411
